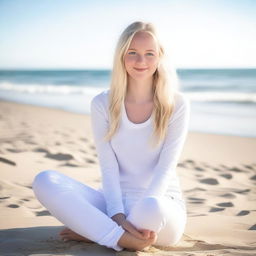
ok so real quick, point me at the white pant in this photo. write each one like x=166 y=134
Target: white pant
x=83 y=210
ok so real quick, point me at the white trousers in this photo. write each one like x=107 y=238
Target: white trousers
x=83 y=210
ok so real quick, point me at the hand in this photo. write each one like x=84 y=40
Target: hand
x=143 y=234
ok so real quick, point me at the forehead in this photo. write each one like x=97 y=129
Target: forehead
x=143 y=40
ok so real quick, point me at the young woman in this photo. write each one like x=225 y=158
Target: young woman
x=139 y=127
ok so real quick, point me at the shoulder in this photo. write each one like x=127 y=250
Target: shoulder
x=181 y=106
x=100 y=101
x=181 y=100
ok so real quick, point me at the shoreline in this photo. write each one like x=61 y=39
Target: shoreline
x=85 y=114
x=217 y=175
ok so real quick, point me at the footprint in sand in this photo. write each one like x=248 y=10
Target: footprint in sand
x=59 y=156
x=13 y=206
x=41 y=150
x=89 y=161
x=227 y=176
x=228 y=195
x=196 y=200
x=190 y=161
x=43 y=213
x=253 y=177
x=248 y=167
x=70 y=165
x=225 y=204
x=252 y=227
x=223 y=166
x=25 y=199
x=195 y=189
x=197 y=168
x=84 y=139
x=243 y=213
x=92 y=147
x=13 y=150
x=5 y=197
x=235 y=169
x=210 y=181
x=7 y=161
x=215 y=209
x=242 y=191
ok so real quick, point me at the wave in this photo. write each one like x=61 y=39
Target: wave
x=49 y=89
x=225 y=97
x=198 y=96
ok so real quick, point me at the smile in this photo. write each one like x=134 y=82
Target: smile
x=140 y=69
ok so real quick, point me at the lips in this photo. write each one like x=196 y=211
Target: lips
x=140 y=69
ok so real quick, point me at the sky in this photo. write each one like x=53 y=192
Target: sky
x=76 y=34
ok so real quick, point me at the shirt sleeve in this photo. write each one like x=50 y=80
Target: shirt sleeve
x=107 y=159
x=171 y=150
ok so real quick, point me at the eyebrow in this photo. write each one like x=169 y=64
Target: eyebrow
x=151 y=50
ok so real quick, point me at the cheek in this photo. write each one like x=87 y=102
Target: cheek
x=128 y=60
x=153 y=63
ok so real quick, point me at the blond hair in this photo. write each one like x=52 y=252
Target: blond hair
x=164 y=85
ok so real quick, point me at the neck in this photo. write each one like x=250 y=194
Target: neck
x=139 y=91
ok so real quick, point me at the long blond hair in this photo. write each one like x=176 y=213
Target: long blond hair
x=164 y=85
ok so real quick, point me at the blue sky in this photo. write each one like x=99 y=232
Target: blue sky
x=83 y=34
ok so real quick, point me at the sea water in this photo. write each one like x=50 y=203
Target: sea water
x=223 y=101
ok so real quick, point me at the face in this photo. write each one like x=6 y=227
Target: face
x=142 y=57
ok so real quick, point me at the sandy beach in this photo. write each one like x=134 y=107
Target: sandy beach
x=217 y=175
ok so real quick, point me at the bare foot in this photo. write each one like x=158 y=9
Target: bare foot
x=129 y=241
x=67 y=234
x=146 y=233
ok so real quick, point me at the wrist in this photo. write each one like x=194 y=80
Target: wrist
x=119 y=218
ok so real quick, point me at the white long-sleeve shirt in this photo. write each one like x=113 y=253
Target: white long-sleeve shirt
x=128 y=163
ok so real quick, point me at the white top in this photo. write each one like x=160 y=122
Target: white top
x=128 y=163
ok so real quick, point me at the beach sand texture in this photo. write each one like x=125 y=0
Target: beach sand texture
x=217 y=175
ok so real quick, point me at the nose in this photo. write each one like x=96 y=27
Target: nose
x=140 y=58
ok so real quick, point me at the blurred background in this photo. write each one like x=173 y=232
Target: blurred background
x=59 y=54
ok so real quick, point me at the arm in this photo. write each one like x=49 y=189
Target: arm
x=171 y=150
x=107 y=159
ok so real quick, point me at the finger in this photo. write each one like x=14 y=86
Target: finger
x=145 y=233
x=130 y=228
x=152 y=235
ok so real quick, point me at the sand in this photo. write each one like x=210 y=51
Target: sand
x=217 y=175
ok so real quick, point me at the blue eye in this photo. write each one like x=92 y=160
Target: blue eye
x=133 y=53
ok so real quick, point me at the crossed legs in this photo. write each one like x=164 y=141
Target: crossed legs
x=83 y=210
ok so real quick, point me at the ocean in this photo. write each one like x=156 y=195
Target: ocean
x=223 y=101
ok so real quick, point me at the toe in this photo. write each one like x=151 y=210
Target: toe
x=65 y=238
x=65 y=230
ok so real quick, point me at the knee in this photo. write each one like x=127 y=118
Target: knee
x=152 y=205
x=172 y=233
x=43 y=180
x=148 y=213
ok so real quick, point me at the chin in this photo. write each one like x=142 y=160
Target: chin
x=140 y=76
